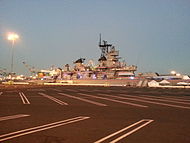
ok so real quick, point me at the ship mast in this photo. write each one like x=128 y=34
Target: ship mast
x=104 y=47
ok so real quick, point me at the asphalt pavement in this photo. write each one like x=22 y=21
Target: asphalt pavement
x=87 y=114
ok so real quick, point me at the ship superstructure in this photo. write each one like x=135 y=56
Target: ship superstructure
x=110 y=63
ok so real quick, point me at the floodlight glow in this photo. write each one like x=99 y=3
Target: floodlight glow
x=173 y=72
x=178 y=74
x=12 y=37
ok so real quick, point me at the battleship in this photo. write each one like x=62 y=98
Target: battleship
x=109 y=67
x=109 y=71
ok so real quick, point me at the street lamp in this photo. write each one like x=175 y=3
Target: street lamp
x=12 y=37
x=178 y=74
x=173 y=72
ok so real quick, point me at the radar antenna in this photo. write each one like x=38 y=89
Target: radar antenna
x=104 y=47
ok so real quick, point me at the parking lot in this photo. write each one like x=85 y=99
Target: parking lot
x=86 y=114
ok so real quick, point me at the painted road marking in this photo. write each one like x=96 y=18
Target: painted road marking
x=147 y=121
x=72 y=90
x=82 y=99
x=53 y=99
x=169 y=98
x=13 y=117
x=180 y=97
x=152 y=102
x=23 y=98
x=58 y=90
x=113 y=100
x=40 y=128
x=156 y=99
x=1 y=93
x=36 y=89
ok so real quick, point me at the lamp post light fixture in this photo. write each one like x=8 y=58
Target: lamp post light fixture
x=12 y=37
x=178 y=74
x=173 y=72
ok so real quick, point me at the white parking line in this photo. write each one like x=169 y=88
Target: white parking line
x=113 y=100
x=156 y=99
x=168 y=97
x=53 y=99
x=152 y=102
x=36 y=89
x=13 y=117
x=147 y=121
x=1 y=93
x=40 y=128
x=72 y=90
x=82 y=99
x=23 y=98
x=56 y=90
x=180 y=97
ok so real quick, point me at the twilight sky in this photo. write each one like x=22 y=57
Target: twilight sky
x=152 y=34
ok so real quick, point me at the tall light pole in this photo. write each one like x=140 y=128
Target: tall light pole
x=12 y=37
